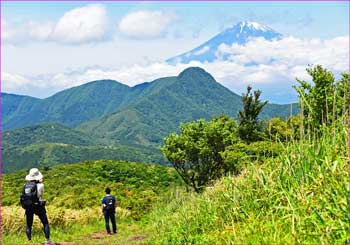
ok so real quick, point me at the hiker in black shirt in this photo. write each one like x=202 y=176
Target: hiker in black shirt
x=108 y=209
x=33 y=203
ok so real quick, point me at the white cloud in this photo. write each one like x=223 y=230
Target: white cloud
x=279 y=63
x=290 y=51
x=146 y=24
x=80 y=25
x=11 y=82
x=202 y=50
x=7 y=32
x=39 y=31
x=85 y=24
x=13 y=33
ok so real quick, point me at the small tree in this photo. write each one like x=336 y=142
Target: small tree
x=325 y=99
x=196 y=153
x=250 y=129
x=317 y=97
x=342 y=103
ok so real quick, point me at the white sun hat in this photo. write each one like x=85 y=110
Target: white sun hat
x=34 y=174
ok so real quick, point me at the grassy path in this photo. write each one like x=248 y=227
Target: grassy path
x=131 y=233
x=94 y=233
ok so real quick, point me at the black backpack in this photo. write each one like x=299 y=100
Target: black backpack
x=110 y=203
x=29 y=196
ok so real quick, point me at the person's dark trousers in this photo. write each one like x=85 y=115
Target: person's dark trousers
x=110 y=215
x=41 y=213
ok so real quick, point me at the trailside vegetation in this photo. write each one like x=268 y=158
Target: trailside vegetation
x=250 y=129
x=204 y=151
x=196 y=153
x=298 y=197
x=323 y=100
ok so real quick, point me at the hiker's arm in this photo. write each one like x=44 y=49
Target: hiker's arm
x=103 y=204
x=40 y=191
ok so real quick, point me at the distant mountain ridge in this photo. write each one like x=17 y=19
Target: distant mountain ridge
x=69 y=107
x=167 y=102
x=163 y=106
x=240 y=34
x=75 y=106
x=108 y=120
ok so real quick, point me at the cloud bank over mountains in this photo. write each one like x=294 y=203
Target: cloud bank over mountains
x=276 y=65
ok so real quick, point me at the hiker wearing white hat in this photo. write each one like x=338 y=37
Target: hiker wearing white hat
x=33 y=203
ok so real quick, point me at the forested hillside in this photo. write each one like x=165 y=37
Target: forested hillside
x=108 y=120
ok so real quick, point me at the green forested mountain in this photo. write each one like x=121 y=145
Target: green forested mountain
x=69 y=107
x=47 y=133
x=163 y=105
x=193 y=91
x=167 y=102
x=106 y=113
x=49 y=144
x=16 y=106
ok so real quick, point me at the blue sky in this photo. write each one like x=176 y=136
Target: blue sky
x=43 y=53
x=304 y=19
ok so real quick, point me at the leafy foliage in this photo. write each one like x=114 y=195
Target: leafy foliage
x=196 y=153
x=324 y=100
x=278 y=129
x=250 y=128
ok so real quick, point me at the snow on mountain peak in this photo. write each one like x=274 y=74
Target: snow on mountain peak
x=253 y=25
x=238 y=34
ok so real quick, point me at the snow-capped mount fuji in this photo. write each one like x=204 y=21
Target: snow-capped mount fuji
x=240 y=33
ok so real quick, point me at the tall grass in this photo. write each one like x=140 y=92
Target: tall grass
x=61 y=221
x=298 y=197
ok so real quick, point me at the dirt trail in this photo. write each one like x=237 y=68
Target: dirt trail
x=98 y=235
x=137 y=237
x=101 y=236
